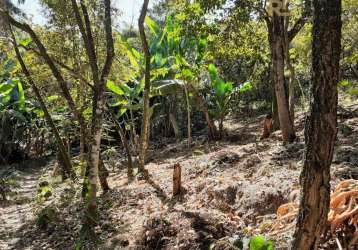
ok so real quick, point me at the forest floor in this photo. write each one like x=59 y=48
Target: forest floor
x=231 y=191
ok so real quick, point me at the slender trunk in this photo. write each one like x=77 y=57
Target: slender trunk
x=128 y=152
x=65 y=158
x=146 y=111
x=292 y=77
x=95 y=166
x=125 y=144
x=134 y=136
x=321 y=125
x=174 y=123
x=221 y=127
x=291 y=90
x=278 y=55
x=211 y=125
x=275 y=119
x=82 y=151
x=188 y=110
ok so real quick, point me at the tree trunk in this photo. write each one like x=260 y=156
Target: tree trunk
x=275 y=119
x=124 y=143
x=278 y=63
x=291 y=90
x=82 y=151
x=321 y=125
x=188 y=111
x=211 y=125
x=58 y=75
x=174 y=123
x=221 y=127
x=292 y=77
x=146 y=111
x=95 y=166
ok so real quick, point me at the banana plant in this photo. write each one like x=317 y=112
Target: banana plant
x=221 y=94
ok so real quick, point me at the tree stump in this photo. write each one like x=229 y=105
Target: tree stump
x=177 y=179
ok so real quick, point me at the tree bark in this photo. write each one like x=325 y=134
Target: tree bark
x=291 y=91
x=188 y=111
x=211 y=125
x=277 y=45
x=146 y=93
x=321 y=125
x=95 y=165
x=279 y=36
x=174 y=123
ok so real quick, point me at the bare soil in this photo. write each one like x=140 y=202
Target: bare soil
x=231 y=191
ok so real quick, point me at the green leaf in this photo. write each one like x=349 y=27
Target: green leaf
x=152 y=25
x=213 y=72
x=188 y=74
x=39 y=113
x=126 y=88
x=181 y=61
x=353 y=92
x=114 y=88
x=344 y=83
x=133 y=58
x=260 y=243
x=166 y=87
x=6 y=88
x=21 y=100
x=245 y=87
x=122 y=111
x=26 y=41
x=52 y=98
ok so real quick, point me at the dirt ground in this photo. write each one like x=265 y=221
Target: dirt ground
x=231 y=191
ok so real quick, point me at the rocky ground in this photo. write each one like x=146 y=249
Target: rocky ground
x=232 y=190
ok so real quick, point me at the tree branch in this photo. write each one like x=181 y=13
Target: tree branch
x=70 y=70
x=87 y=37
x=55 y=71
x=301 y=21
x=109 y=40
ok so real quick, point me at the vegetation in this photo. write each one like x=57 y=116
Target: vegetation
x=225 y=101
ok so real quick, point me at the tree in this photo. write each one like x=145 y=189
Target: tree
x=279 y=39
x=321 y=125
x=99 y=79
x=146 y=93
x=64 y=156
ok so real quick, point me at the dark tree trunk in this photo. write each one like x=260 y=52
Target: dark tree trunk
x=321 y=125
